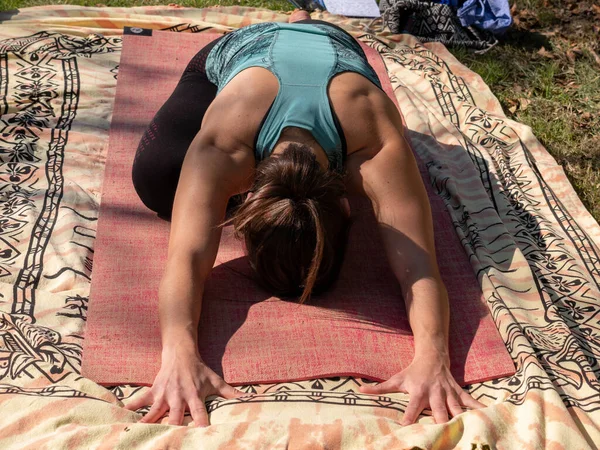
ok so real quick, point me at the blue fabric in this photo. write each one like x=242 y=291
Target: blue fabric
x=490 y=15
x=304 y=58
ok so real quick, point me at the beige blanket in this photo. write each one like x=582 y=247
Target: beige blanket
x=532 y=244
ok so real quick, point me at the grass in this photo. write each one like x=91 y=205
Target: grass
x=276 y=5
x=546 y=74
x=553 y=90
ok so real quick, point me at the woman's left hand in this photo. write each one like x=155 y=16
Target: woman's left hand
x=429 y=382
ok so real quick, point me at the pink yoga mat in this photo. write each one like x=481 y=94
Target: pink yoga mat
x=359 y=328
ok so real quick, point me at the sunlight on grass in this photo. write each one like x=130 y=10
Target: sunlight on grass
x=587 y=78
x=550 y=126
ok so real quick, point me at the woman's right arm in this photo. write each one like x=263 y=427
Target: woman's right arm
x=209 y=177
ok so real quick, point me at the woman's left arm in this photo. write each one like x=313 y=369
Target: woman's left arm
x=392 y=181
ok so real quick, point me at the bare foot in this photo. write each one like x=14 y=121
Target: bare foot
x=299 y=14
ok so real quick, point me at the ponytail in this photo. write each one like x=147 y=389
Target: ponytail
x=294 y=226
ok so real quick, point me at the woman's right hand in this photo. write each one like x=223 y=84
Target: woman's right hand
x=183 y=383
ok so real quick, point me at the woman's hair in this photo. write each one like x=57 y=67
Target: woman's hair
x=294 y=225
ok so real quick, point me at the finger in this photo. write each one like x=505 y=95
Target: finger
x=176 y=414
x=155 y=413
x=437 y=403
x=381 y=388
x=453 y=403
x=469 y=401
x=413 y=410
x=198 y=412
x=229 y=392
x=139 y=402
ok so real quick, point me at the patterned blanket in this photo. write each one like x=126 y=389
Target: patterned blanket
x=533 y=246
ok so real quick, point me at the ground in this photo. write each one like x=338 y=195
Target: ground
x=545 y=72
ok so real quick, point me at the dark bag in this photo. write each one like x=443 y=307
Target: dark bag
x=431 y=22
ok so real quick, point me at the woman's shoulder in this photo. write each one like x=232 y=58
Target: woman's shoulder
x=240 y=107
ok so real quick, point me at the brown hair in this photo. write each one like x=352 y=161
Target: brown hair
x=294 y=226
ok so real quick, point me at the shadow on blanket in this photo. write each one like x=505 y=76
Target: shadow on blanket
x=5 y=16
x=534 y=249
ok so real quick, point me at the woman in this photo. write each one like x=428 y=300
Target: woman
x=294 y=114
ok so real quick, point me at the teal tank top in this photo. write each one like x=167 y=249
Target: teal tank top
x=304 y=58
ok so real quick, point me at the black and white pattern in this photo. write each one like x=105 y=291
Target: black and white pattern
x=39 y=78
x=431 y=21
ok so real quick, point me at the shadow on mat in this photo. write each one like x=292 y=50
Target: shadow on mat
x=365 y=298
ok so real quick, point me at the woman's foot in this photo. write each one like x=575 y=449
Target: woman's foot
x=299 y=14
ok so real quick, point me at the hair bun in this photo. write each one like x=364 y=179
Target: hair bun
x=294 y=225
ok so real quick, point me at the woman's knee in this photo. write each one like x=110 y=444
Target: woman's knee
x=155 y=183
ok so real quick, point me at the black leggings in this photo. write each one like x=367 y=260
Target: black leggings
x=160 y=153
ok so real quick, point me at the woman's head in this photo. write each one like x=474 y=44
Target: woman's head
x=294 y=224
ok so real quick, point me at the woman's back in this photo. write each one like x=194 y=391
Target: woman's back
x=232 y=122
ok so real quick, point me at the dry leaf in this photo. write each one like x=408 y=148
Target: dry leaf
x=586 y=116
x=596 y=9
x=545 y=53
x=571 y=56
x=524 y=103
x=513 y=109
